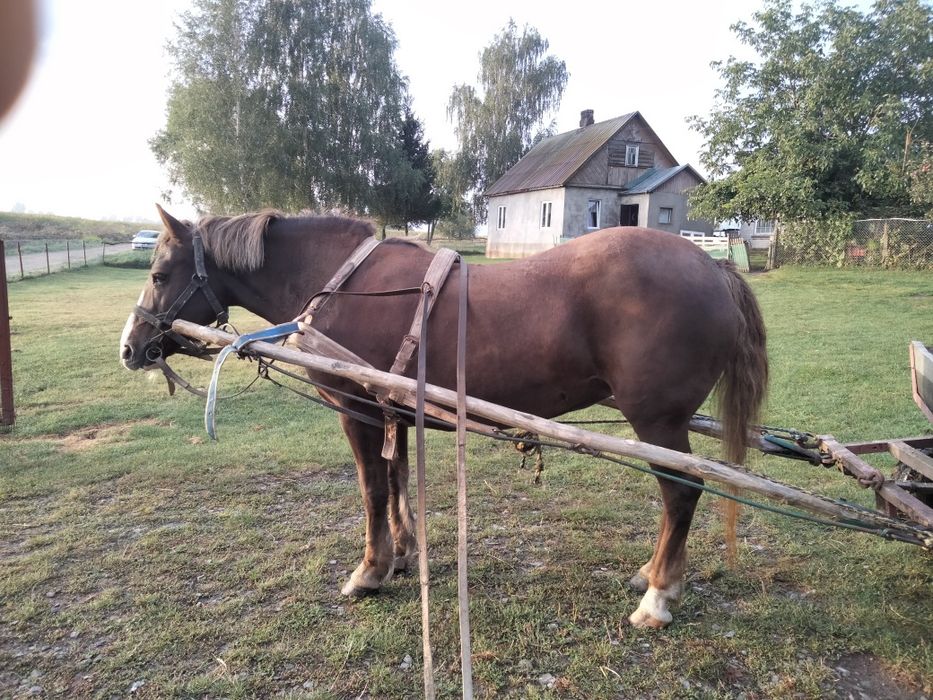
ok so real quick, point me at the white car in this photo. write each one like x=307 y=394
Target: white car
x=144 y=239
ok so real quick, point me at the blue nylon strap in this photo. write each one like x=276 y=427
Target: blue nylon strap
x=268 y=334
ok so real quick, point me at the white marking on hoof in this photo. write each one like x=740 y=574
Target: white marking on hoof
x=364 y=581
x=652 y=611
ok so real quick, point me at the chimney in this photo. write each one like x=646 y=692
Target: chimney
x=586 y=117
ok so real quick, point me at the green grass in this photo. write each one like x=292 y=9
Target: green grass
x=132 y=549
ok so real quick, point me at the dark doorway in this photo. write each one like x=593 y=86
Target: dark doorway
x=628 y=216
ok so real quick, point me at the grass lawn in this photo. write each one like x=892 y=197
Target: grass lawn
x=137 y=557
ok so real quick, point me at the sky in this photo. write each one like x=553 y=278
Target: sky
x=77 y=141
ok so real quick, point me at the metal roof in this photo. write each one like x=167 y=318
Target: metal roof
x=554 y=160
x=653 y=178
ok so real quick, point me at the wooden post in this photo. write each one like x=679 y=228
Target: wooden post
x=68 y=252
x=19 y=250
x=7 y=413
x=84 y=250
x=402 y=390
x=48 y=266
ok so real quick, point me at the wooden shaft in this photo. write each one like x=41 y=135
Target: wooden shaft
x=682 y=462
x=890 y=493
x=7 y=412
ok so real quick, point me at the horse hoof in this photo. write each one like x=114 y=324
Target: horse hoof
x=644 y=620
x=639 y=583
x=352 y=590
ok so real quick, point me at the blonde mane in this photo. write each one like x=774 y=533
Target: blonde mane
x=236 y=242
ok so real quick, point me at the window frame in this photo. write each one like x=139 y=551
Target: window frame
x=631 y=162
x=589 y=212
x=500 y=218
x=547 y=209
x=670 y=215
x=764 y=228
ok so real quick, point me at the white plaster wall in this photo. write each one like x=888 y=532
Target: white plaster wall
x=523 y=234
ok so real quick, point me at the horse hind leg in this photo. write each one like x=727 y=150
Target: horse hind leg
x=401 y=519
x=661 y=579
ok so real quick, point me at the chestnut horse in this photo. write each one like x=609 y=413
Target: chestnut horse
x=641 y=315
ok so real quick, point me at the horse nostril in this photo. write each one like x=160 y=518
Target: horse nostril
x=127 y=352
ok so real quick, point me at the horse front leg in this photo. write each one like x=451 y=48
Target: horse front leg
x=401 y=519
x=372 y=471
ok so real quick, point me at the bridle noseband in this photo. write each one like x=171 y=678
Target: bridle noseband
x=162 y=322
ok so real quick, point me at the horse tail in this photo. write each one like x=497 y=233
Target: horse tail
x=742 y=388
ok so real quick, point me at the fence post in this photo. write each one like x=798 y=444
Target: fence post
x=19 y=250
x=48 y=265
x=84 y=250
x=68 y=252
x=7 y=413
x=885 y=241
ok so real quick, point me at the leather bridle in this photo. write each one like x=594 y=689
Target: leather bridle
x=162 y=322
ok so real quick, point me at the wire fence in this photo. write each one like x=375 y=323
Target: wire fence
x=905 y=244
x=35 y=258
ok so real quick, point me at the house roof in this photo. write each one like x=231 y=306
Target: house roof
x=653 y=178
x=554 y=160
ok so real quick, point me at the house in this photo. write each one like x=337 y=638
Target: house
x=611 y=173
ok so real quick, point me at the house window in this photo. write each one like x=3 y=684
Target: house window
x=546 y=215
x=631 y=156
x=764 y=228
x=666 y=215
x=500 y=224
x=592 y=214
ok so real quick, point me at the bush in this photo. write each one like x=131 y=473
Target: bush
x=457 y=226
x=815 y=242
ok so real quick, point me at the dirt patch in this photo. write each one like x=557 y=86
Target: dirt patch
x=94 y=436
x=863 y=677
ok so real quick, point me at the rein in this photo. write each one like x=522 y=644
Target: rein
x=162 y=322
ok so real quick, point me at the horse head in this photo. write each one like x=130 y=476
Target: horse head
x=177 y=287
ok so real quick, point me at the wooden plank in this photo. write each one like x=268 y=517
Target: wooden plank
x=913 y=458
x=921 y=377
x=875 y=446
x=897 y=497
x=7 y=409
x=690 y=464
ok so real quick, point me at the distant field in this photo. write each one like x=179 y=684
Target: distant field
x=41 y=227
x=139 y=559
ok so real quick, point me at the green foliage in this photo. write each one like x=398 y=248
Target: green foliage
x=498 y=122
x=457 y=225
x=921 y=180
x=405 y=193
x=828 y=120
x=815 y=242
x=285 y=104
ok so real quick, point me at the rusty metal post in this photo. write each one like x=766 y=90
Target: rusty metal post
x=48 y=265
x=19 y=249
x=7 y=413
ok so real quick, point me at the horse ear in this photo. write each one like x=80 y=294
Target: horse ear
x=173 y=226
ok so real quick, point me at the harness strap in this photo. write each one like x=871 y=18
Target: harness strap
x=340 y=277
x=434 y=279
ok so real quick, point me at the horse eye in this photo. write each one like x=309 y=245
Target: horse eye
x=159 y=277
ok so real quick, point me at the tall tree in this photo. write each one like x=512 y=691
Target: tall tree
x=405 y=186
x=828 y=120
x=281 y=103
x=496 y=124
